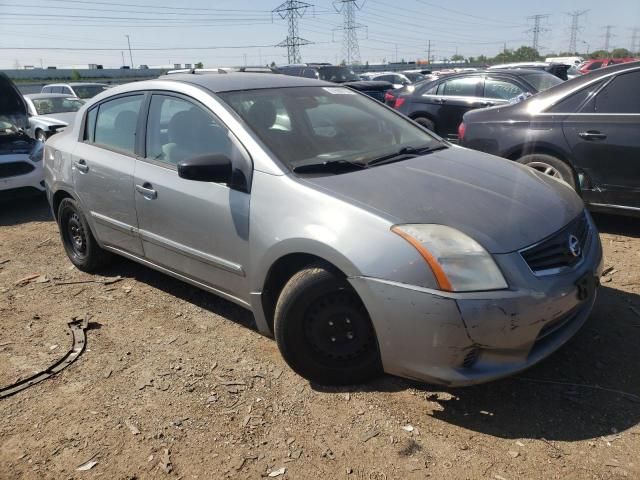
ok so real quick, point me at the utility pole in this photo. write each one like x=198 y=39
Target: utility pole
x=292 y=10
x=607 y=36
x=537 y=29
x=350 y=47
x=428 y=51
x=122 y=54
x=130 y=55
x=575 y=28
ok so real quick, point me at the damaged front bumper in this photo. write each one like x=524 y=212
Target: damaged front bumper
x=461 y=339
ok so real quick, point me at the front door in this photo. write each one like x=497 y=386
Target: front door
x=197 y=229
x=103 y=167
x=604 y=138
x=450 y=100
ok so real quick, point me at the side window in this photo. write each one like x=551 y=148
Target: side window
x=594 y=66
x=573 y=102
x=385 y=78
x=309 y=73
x=460 y=87
x=178 y=130
x=67 y=91
x=116 y=123
x=46 y=90
x=621 y=95
x=501 y=89
x=90 y=125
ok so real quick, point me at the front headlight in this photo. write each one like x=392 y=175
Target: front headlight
x=458 y=262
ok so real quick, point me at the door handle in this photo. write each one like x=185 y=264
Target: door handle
x=487 y=104
x=147 y=191
x=82 y=166
x=440 y=100
x=592 y=135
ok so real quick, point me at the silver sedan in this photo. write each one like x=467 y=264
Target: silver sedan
x=361 y=241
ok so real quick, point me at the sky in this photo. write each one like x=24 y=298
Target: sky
x=245 y=32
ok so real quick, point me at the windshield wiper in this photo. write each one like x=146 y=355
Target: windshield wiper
x=335 y=166
x=403 y=153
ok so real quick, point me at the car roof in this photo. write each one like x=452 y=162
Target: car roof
x=75 y=84
x=36 y=96
x=228 y=82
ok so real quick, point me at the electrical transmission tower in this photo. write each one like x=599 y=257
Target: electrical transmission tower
x=350 y=47
x=607 y=36
x=537 y=29
x=575 y=28
x=635 y=41
x=292 y=10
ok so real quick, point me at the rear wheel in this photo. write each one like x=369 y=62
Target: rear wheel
x=79 y=243
x=323 y=329
x=551 y=166
x=426 y=123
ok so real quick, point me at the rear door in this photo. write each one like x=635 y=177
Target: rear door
x=604 y=138
x=450 y=99
x=103 y=166
x=500 y=90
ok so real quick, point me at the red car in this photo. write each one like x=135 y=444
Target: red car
x=596 y=63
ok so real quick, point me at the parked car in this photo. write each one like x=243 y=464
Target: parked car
x=49 y=112
x=439 y=105
x=76 y=89
x=359 y=239
x=585 y=132
x=595 y=64
x=337 y=74
x=415 y=77
x=20 y=155
x=397 y=80
x=557 y=69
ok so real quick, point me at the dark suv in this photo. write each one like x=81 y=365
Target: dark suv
x=337 y=74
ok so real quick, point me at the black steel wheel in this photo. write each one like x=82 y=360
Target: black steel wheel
x=324 y=331
x=79 y=243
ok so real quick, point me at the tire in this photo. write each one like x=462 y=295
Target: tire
x=426 y=123
x=316 y=308
x=41 y=136
x=551 y=166
x=79 y=243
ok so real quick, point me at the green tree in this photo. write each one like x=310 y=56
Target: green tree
x=599 y=54
x=621 y=53
x=75 y=75
x=457 y=58
x=273 y=64
x=526 y=54
x=199 y=65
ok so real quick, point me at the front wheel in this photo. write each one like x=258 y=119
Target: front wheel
x=323 y=329
x=79 y=243
x=551 y=166
x=426 y=123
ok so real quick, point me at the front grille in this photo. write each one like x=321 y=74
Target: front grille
x=13 y=169
x=555 y=252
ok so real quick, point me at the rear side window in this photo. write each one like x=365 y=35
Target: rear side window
x=116 y=123
x=90 y=125
x=594 y=66
x=621 y=95
x=501 y=89
x=46 y=90
x=574 y=102
x=460 y=87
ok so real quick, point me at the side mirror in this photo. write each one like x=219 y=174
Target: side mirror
x=206 y=168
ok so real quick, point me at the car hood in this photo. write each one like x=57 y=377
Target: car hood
x=13 y=108
x=368 y=85
x=503 y=205
x=64 y=118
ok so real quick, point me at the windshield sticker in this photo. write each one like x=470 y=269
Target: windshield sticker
x=339 y=91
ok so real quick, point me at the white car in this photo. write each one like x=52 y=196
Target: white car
x=20 y=155
x=50 y=112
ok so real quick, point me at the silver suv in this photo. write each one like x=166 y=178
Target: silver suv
x=360 y=240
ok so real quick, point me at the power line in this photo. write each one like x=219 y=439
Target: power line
x=573 y=37
x=292 y=10
x=537 y=29
x=350 y=46
x=607 y=36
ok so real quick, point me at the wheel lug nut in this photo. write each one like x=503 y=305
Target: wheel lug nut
x=350 y=335
x=348 y=320
x=333 y=339
x=330 y=323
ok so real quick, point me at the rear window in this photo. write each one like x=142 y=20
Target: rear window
x=542 y=81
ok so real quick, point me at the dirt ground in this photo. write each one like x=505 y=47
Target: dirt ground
x=177 y=383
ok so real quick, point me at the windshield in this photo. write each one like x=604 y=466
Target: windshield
x=47 y=106
x=88 y=91
x=542 y=81
x=309 y=125
x=338 y=74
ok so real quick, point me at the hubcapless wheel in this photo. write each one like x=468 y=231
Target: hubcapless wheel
x=550 y=165
x=79 y=243
x=323 y=329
